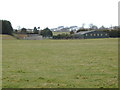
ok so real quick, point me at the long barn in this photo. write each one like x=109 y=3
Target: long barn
x=92 y=34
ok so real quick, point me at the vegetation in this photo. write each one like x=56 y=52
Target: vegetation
x=88 y=63
x=71 y=32
x=56 y=33
x=35 y=31
x=46 y=32
x=68 y=35
x=23 y=30
x=6 y=27
x=112 y=31
x=63 y=36
x=81 y=29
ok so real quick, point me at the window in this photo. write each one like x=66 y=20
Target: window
x=101 y=34
x=90 y=34
x=94 y=34
x=97 y=34
x=106 y=34
x=86 y=34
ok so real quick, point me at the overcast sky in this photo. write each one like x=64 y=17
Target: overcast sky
x=54 y=13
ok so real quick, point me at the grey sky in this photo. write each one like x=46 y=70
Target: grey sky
x=54 y=13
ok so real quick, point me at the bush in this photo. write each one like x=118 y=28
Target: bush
x=23 y=30
x=35 y=30
x=63 y=36
x=6 y=27
x=46 y=33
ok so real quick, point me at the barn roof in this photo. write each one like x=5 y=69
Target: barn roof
x=85 y=32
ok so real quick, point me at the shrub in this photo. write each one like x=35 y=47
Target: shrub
x=6 y=27
x=46 y=33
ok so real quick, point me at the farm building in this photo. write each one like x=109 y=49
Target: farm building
x=92 y=34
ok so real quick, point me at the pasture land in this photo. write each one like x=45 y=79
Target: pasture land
x=7 y=37
x=88 y=63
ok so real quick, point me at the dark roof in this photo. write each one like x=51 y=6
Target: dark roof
x=85 y=32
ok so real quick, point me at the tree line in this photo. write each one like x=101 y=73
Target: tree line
x=7 y=29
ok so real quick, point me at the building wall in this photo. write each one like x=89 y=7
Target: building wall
x=96 y=34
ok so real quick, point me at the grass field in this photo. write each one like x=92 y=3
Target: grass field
x=89 y=63
x=7 y=37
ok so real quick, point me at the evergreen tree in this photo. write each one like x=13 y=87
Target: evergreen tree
x=35 y=30
x=6 y=27
x=23 y=30
x=46 y=32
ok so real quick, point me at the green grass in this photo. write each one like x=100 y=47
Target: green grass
x=89 y=63
x=7 y=37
